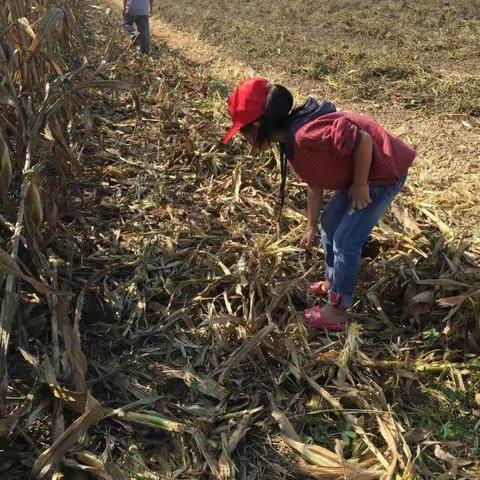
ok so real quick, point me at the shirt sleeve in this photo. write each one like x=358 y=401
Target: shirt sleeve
x=343 y=135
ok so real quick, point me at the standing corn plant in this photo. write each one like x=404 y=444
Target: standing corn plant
x=43 y=98
x=30 y=55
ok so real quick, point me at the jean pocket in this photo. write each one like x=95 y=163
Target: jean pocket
x=396 y=187
x=377 y=192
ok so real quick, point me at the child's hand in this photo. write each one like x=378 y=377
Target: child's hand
x=308 y=239
x=360 y=195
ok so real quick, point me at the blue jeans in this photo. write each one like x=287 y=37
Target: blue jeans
x=344 y=232
x=143 y=26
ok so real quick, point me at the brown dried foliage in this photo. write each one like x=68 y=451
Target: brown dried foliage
x=156 y=310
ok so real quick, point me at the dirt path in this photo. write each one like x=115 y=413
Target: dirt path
x=194 y=49
x=448 y=147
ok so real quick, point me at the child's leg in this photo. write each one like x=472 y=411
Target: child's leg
x=349 y=238
x=331 y=218
x=128 y=21
x=143 y=27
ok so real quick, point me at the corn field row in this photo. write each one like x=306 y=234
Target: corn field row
x=44 y=97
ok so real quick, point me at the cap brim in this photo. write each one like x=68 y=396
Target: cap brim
x=233 y=130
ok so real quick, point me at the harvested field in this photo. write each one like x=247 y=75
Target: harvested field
x=157 y=331
x=413 y=66
x=418 y=55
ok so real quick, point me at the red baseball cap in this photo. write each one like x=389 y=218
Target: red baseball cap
x=246 y=104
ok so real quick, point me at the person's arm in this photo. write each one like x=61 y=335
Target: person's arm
x=314 y=198
x=362 y=160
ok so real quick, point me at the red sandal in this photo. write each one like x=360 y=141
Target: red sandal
x=313 y=317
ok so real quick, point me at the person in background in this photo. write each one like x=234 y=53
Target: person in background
x=138 y=12
x=345 y=152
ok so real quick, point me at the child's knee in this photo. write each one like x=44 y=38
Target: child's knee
x=346 y=245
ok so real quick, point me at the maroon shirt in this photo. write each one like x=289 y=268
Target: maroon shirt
x=323 y=151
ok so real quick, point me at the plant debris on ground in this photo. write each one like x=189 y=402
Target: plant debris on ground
x=151 y=318
x=419 y=55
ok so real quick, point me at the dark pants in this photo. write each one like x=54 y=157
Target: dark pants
x=143 y=28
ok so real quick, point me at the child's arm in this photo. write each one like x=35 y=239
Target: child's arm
x=362 y=160
x=314 y=197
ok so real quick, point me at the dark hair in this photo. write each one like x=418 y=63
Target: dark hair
x=276 y=115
